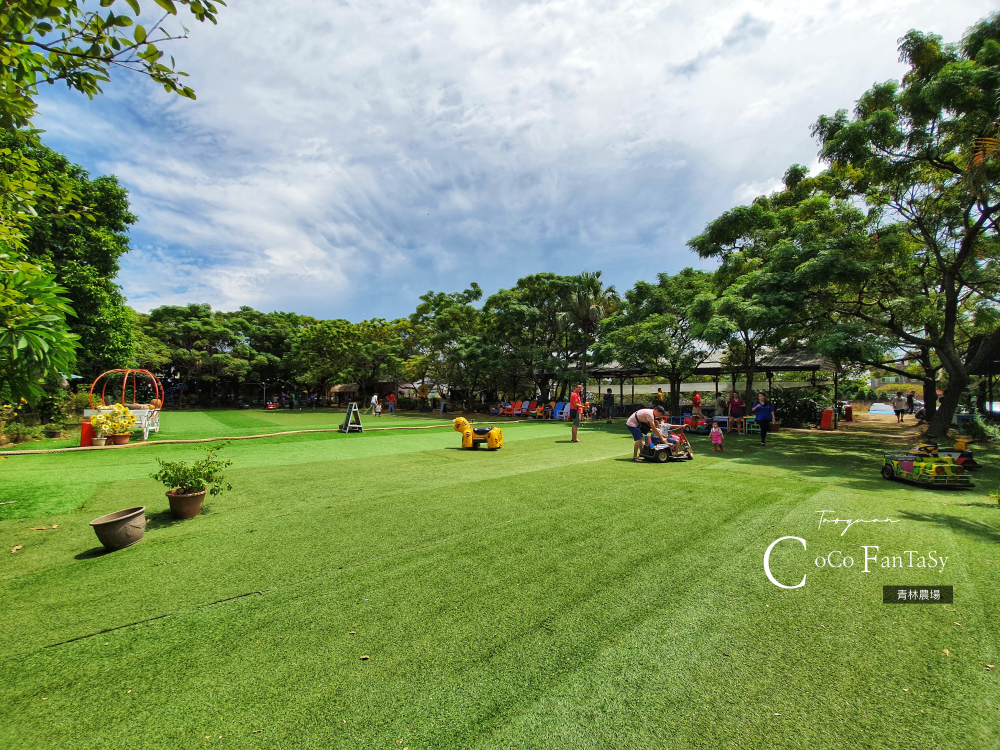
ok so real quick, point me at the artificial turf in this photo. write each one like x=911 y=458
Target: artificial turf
x=548 y=595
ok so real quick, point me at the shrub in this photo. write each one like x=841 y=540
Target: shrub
x=195 y=477
x=18 y=432
x=797 y=407
x=981 y=430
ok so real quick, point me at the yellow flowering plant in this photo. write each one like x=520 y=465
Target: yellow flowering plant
x=117 y=421
x=99 y=422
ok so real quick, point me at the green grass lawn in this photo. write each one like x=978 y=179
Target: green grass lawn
x=548 y=595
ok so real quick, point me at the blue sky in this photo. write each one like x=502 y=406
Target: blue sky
x=344 y=158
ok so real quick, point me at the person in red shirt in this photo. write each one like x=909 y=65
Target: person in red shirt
x=696 y=404
x=575 y=409
x=392 y=403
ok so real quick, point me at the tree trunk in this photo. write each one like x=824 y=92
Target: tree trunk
x=930 y=399
x=751 y=396
x=675 y=395
x=941 y=422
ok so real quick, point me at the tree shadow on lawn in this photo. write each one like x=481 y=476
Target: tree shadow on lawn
x=953 y=523
x=856 y=466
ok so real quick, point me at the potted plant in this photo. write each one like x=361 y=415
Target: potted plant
x=119 y=423
x=188 y=483
x=100 y=423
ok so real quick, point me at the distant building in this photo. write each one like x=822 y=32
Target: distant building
x=899 y=380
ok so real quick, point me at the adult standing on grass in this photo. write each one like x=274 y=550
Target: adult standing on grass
x=736 y=406
x=642 y=417
x=910 y=400
x=899 y=406
x=392 y=403
x=763 y=413
x=575 y=409
x=609 y=404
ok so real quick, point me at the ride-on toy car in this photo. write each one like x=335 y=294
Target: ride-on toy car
x=472 y=437
x=960 y=454
x=697 y=423
x=925 y=470
x=677 y=447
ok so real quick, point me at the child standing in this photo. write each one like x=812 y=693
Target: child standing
x=716 y=434
x=378 y=408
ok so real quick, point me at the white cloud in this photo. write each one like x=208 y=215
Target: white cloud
x=343 y=158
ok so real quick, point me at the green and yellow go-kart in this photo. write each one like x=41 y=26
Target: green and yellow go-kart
x=925 y=470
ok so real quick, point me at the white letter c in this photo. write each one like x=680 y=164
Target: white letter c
x=767 y=563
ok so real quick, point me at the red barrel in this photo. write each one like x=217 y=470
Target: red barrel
x=848 y=413
x=826 y=422
x=86 y=433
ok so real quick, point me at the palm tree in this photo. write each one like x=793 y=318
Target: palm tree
x=589 y=301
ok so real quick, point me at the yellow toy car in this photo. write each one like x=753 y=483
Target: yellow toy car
x=936 y=472
x=472 y=436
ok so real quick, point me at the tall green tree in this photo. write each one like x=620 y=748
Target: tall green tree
x=82 y=250
x=269 y=338
x=206 y=351
x=587 y=303
x=454 y=349
x=338 y=351
x=36 y=345
x=654 y=330
x=908 y=153
x=69 y=41
x=526 y=327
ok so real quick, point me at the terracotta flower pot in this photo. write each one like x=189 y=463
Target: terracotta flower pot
x=98 y=441
x=185 y=506
x=120 y=439
x=120 y=529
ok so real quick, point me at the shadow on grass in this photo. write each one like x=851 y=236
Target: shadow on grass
x=978 y=505
x=850 y=461
x=960 y=525
x=91 y=553
x=164 y=520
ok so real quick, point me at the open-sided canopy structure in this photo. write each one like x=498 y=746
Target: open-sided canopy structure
x=127 y=386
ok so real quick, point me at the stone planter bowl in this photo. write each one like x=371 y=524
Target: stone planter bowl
x=120 y=529
x=185 y=506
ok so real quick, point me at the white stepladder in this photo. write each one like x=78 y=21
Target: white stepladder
x=352 y=422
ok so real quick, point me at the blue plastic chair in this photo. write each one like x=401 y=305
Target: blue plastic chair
x=560 y=410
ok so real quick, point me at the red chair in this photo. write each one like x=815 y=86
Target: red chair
x=527 y=408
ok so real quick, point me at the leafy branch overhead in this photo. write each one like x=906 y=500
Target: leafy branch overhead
x=46 y=41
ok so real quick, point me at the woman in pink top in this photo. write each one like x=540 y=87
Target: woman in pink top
x=642 y=417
